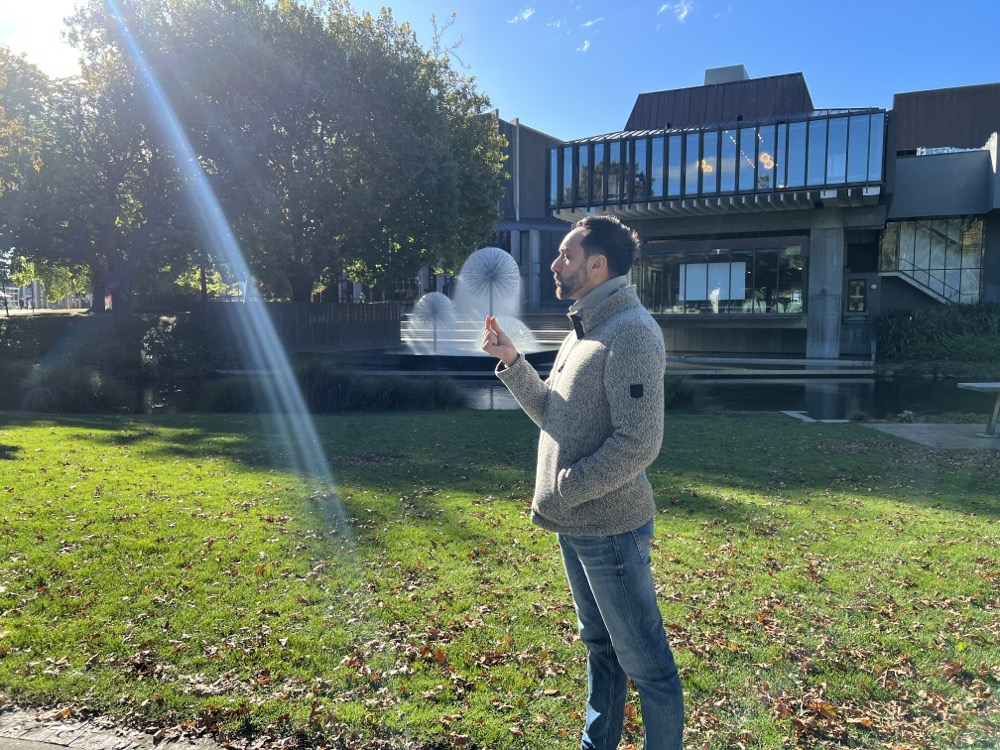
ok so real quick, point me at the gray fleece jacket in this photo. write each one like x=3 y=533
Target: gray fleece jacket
x=601 y=417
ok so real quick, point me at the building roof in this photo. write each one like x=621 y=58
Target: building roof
x=962 y=117
x=721 y=102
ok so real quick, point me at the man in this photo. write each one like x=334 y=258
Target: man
x=601 y=417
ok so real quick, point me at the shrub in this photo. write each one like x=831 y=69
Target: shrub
x=679 y=392
x=74 y=388
x=958 y=333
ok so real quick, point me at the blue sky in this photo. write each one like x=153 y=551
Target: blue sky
x=573 y=68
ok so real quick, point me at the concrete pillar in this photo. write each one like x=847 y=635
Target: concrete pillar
x=826 y=279
x=534 y=269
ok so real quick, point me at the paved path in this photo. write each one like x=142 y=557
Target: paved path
x=957 y=436
x=31 y=730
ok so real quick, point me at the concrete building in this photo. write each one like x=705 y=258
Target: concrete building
x=771 y=227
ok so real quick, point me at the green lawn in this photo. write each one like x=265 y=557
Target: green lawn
x=824 y=585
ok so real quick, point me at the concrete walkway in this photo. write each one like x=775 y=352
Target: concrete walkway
x=952 y=436
x=32 y=730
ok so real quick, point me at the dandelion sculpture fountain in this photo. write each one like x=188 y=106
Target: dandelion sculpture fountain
x=488 y=284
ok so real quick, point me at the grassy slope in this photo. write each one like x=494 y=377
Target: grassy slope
x=823 y=585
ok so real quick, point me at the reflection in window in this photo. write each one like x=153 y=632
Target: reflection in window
x=614 y=170
x=796 y=155
x=836 y=151
x=710 y=163
x=727 y=162
x=583 y=171
x=567 y=177
x=943 y=255
x=656 y=168
x=692 y=163
x=857 y=148
x=765 y=158
x=816 y=164
x=674 y=167
x=554 y=177
x=722 y=281
x=637 y=170
x=876 y=147
x=597 y=184
x=748 y=155
x=780 y=149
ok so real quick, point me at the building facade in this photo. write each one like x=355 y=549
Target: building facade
x=770 y=227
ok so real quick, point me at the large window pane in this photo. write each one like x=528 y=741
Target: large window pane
x=554 y=177
x=742 y=291
x=674 y=168
x=876 y=147
x=748 y=156
x=857 y=148
x=600 y=173
x=765 y=158
x=583 y=174
x=692 y=163
x=567 y=175
x=614 y=170
x=638 y=170
x=727 y=162
x=791 y=267
x=796 y=155
x=836 y=151
x=816 y=166
x=780 y=156
x=710 y=163
x=656 y=168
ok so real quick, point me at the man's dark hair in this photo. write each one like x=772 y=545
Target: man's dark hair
x=607 y=236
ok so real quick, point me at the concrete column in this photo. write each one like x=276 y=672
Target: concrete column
x=826 y=279
x=533 y=267
x=991 y=257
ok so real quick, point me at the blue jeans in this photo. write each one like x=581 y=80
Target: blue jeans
x=621 y=626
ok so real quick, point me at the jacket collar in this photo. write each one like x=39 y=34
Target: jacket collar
x=586 y=319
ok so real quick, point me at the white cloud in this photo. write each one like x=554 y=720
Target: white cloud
x=593 y=22
x=556 y=24
x=584 y=47
x=663 y=9
x=524 y=15
x=682 y=9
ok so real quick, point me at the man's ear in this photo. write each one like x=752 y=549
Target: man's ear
x=597 y=262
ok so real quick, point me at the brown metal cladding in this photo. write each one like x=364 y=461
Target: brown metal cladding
x=721 y=102
x=962 y=117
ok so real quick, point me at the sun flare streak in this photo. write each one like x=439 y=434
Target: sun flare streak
x=282 y=398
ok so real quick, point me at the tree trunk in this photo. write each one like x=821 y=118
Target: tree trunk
x=100 y=289
x=301 y=282
x=120 y=289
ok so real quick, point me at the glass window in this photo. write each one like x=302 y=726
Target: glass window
x=857 y=290
x=765 y=158
x=791 y=270
x=836 y=151
x=554 y=177
x=748 y=156
x=583 y=174
x=780 y=149
x=614 y=170
x=656 y=168
x=727 y=162
x=674 y=167
x=692 y=162
x=857 y=148
x=567 y=176
x=710 y=163
x=600 y=171
x=876 y=147
x=741 y=290
x=796 y=155
x=638 y=170
x=816 y=166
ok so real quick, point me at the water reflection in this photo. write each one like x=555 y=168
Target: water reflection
x=833 y=398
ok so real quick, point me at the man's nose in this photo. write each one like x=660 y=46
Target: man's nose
x=553 y=266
